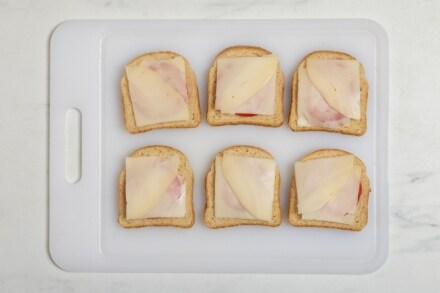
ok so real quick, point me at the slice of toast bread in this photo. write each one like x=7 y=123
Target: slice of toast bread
x=356 y=127
x=216 y=118
x=361 y=216
x=211 y=221
x=195 y=115
x=184 y=171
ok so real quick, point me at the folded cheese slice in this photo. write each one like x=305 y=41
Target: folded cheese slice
x=328 y=92
x=244 y=187
x=173 y=202
x=246 y=85
x=341 y=208
x=327 y=188
x=154 y=188
x=338 y=81
x=312 y=107
x=173 y=71
x=226 y=203
x=158 y=91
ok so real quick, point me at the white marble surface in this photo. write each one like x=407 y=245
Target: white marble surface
x=414 y=259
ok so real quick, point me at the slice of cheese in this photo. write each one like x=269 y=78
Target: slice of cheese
x=240 y=78
x=173 y=71
x=319 y=180
x=173 y=203
x=312 y=108
x=147 y=180
x=253 y=182
x=342 y=207
x=154 y=100
x=338 y=81
x=226 y=204
x=261 y=103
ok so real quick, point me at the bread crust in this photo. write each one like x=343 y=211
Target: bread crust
x=215 y=118
x=211 y=221
x=356 y=127
x=184 y=170
x=195 y=114
x=361 y=216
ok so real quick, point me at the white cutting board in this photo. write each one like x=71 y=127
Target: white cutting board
x=87 y=61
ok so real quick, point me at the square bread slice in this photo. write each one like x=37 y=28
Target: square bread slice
x=216 y=118
x=360 y=218
x=192 y=96
x=269 y=215
x=185 y=177
x=352 y=126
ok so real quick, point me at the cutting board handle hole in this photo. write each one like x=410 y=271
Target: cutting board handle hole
x=73 y=145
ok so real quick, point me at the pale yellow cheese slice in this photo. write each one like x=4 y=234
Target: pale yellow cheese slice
x=226 y=203
x=262 y=102
x=342 y=207
x=173 y=203
x=253 y=182
x=338 y=81
x=319 y=180
x=172 y=70
x=239 y=78
x=154 y=100
x=147 y=180
x=312 y=109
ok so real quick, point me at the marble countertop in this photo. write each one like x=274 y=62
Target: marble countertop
x=413 y=29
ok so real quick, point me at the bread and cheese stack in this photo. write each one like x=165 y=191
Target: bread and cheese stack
x=245 y=86
x=242 y=188
x=156 y=189
x=330 y=189
x=329 y=93
x=159 y=90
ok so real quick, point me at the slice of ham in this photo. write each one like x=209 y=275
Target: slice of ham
x=313 y=110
